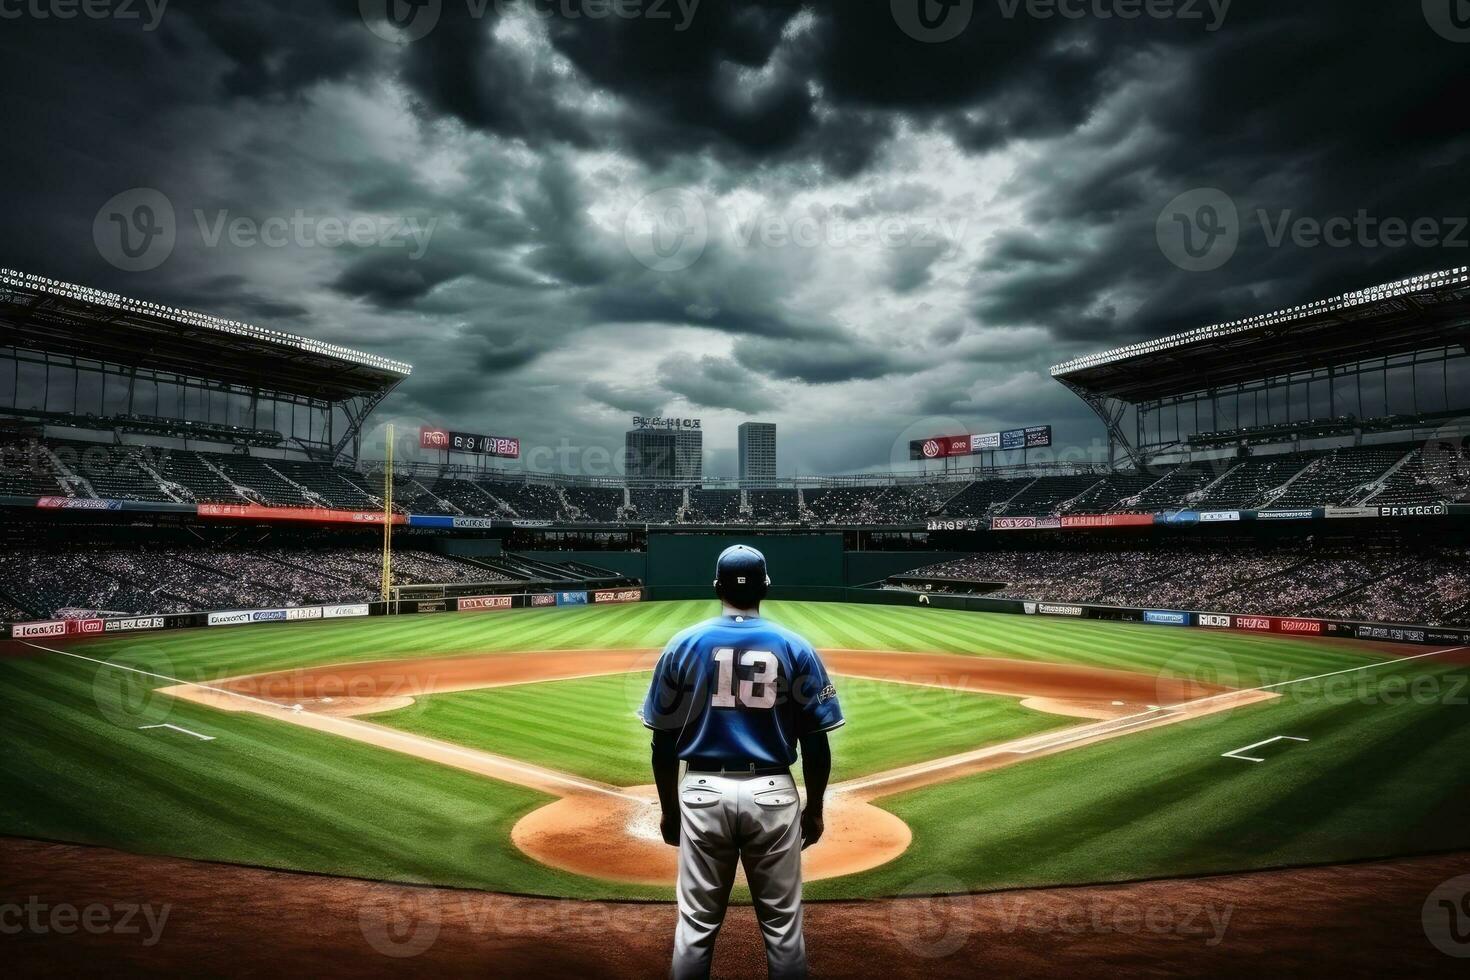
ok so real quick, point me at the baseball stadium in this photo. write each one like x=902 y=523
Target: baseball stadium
x=270 y=646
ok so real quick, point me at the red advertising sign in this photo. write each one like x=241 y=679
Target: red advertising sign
x=433 y=438
x=485 y=603
x=1108 y=520
x=319 y=515
x=1310 y=627
x=618 y=595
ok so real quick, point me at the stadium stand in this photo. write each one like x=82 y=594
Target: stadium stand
x=773 y=505
x=45 y=580
x=1343 y=476
x=978 y=499
x=714 y=506
x=1390 y=584
x=655 y=506
x=598 y=504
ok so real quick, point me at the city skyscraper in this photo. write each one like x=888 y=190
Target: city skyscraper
x=757 y=452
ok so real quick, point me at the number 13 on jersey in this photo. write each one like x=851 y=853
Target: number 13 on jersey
x=757 y=692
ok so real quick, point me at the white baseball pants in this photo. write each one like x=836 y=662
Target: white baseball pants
x=755 y=820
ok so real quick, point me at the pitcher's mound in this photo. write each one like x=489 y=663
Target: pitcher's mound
x=617 y=837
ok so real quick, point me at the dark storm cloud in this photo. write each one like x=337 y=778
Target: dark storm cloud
x=715 y=382
x=1064 y=141
x=821 y=362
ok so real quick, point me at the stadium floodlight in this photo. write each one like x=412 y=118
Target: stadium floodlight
x=1361 y=297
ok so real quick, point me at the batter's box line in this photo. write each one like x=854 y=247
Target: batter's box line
x=1235 y=753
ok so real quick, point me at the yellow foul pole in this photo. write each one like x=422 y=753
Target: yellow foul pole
x=387 y=584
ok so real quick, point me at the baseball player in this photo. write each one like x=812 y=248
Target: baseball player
x=732 y=697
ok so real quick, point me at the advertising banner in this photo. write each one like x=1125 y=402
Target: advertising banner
x=618 y=595
x=1161 y=617
x=1300 y=627
x=984 y=442
x=133 y=623
x=1038 y=435
x=544 y=599
x=1414 y=510
x=431 y=607
x=304 y=612
x=1392 y=634
x=469 y=442
x=957 y=524
x=1013 y=523
x=1013 y=439
x=430 y=520
x=1107 y=520
x=52 y=627
x=1052 y=609
x=485 y=603
x=473 y=523
x=1259 y=624
x=1218 y=516
x=85 y=627
x=571 y=598
x=1304 y=514
x=319 y=515
x=350 y=610
x=77 y=503
x=1337 y=513
x=1180 y=517
x=239 y=617
x=1214 y=620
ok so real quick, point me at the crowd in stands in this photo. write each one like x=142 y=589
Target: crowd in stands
x=1382 y=584
x=1371 y=475
x=40 y=582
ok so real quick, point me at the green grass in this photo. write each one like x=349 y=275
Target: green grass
x=1383 y=774
x=589 y=726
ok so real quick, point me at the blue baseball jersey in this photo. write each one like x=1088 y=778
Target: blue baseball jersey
x=739 y=689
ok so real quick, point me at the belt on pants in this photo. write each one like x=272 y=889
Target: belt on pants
x=728 y=768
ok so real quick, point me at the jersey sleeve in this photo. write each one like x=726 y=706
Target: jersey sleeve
x=667 y=705
x=820 y=710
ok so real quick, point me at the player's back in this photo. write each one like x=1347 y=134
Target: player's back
x=740 y=690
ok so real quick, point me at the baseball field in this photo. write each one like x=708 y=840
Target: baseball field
x=502 y=751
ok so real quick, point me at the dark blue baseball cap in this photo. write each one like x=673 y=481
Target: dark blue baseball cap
x=741 y=576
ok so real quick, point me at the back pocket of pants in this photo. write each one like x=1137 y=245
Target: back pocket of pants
x=699 y=797
x=775 y=799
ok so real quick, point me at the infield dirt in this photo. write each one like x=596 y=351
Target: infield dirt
x=611 y=832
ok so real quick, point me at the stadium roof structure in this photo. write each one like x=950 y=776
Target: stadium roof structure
x=58 y=317
x=79 y=325
x=1425 y=312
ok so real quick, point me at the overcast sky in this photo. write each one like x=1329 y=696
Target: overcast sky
x=863 y=220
